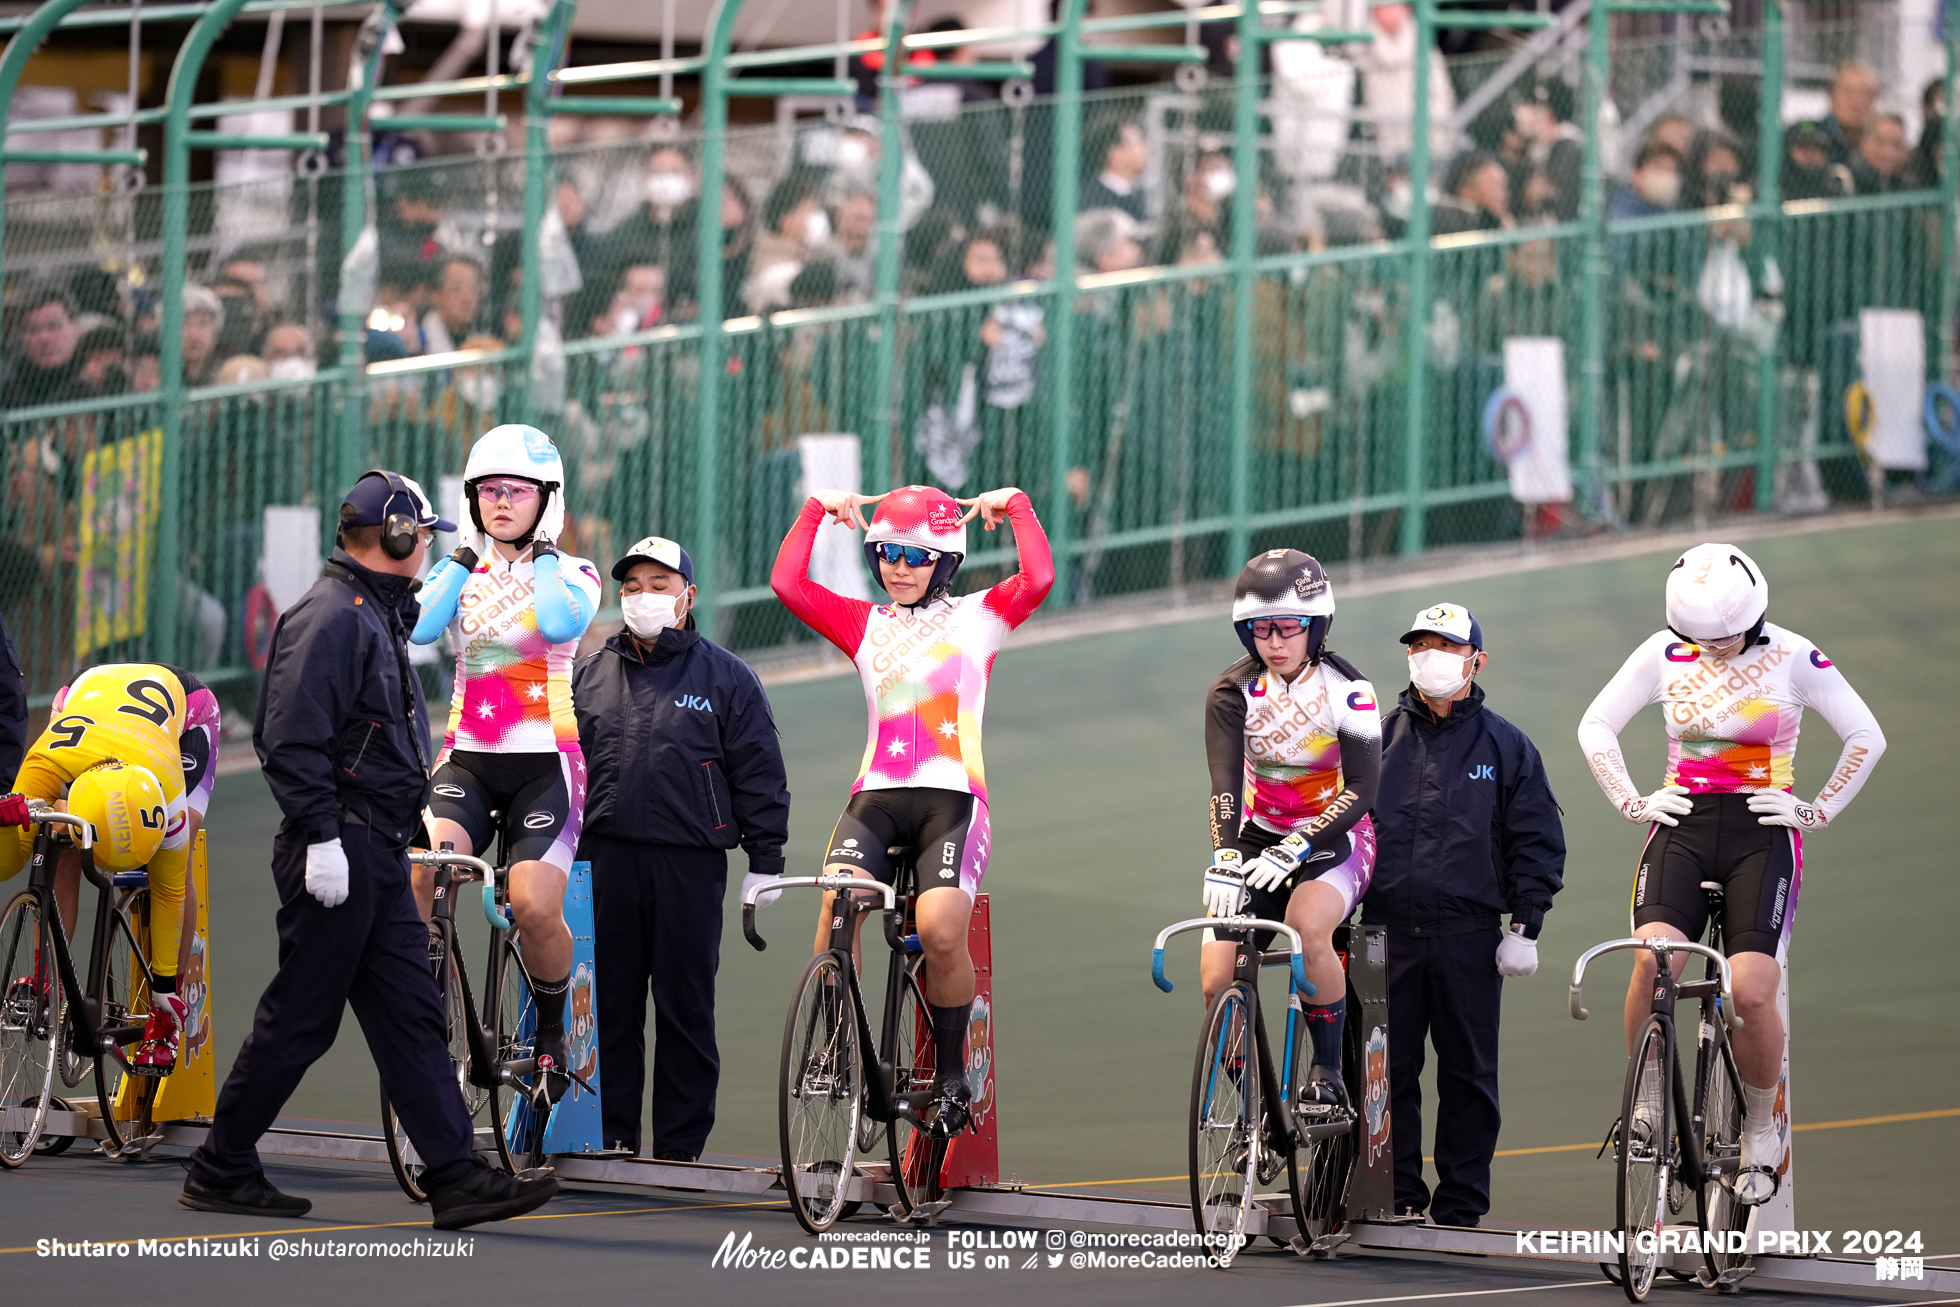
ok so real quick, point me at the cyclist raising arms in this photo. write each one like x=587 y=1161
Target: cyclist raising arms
x=134 y=746
x=1294 y=743
x=512 y=743
x=924 y=659
x=1732 y=688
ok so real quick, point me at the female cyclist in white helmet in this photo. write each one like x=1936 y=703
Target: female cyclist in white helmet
x=1294 y=744
x=512 y=744
x=1732 y=688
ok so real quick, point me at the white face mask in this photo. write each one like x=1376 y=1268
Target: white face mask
x=648 y=614
x=1438 y=673
x=1220 y=183
x=295 y=368
x=853 y=153
x=669 y=190
x=1663 y=188
x=816 y=228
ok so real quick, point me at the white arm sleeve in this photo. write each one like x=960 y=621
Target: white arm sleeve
x=1825 y=690
x=1632 y=688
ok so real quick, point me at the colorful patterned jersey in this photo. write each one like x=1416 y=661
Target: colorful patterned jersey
x=1285 y=752
x=513 y=686
x=924 y=670
x=1731 y=725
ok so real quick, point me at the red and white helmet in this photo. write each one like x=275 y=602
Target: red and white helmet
x=923 y=516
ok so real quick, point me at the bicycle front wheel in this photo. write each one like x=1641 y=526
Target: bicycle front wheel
x=31 y=1013
x=1721 y=1215
x=916 y=1157
x=822 y=1092
x=125 y=1014
x=1318 y=1177
x=514 y=1115
x=1644 y=1157
x=1225 y=1117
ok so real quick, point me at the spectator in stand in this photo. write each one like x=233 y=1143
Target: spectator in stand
x=855 y=253
x=1880 y=163
x=1675 y=132
x=43 y=368
x=859 y=147
x=1853 y=90
x=252 y=272
x=454 y=305
x=99 y=361
x=795 y=232
x=1095 y=76
x=1808 y=173
x=1118 y=143
x=1204 y=205
x=414 y=203
x=660 y=233
x=145 y=366
x=290 y=353
x=1106 y=241
x=244 y=326
x=1712 y=170
x=1654 y=185
x=636 y=301
x=1479 y=198
x=204 y=322
x=1554 y=150
x=1925 y=166
x=1388 y=85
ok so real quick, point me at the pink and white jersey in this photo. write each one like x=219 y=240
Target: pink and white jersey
x=1731 y=725
x=924 y=669
x=1283 y=745
x=513 y=686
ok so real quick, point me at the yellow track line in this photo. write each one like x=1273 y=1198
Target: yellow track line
x=1554 y=1148
x=392 y=1225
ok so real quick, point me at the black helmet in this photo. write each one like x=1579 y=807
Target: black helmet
x=1284 y=583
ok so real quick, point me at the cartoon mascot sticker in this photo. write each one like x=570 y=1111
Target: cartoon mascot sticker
x=585 y=1026
x=1377 y=1093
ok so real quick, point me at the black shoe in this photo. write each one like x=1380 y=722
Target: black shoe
x=487 y=1195
x=253 y=1197
x=1324 y=1099
x=951 y=1106
x=554 y=1059
x=676 y=1155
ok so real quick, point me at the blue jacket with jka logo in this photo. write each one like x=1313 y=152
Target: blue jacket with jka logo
x=681 y=748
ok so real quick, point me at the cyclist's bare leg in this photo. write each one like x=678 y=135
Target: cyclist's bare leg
x=1315 y=910
x=423 y=879
x=1758 y=1043
x=944 y=916
x=1216 y=961
x=1640 y=992
x=537 y=904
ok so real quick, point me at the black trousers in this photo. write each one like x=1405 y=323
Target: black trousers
x=372 y=952
x=656 y=912
x=1444 y=989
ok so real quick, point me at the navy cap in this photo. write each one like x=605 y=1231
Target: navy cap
x=656 y=549
x=373 y=498
x=1451 y=621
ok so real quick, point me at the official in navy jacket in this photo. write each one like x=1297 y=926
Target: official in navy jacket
x=685 y=765
x=1467 y=831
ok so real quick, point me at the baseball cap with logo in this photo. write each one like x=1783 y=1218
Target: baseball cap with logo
x=656 y=549
x=1451 y=621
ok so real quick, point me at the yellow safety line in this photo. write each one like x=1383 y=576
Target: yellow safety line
x=391 y=1225
x=1553 y=1148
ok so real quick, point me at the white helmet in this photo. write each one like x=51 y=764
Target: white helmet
x=1715 y=591
x=519 y=451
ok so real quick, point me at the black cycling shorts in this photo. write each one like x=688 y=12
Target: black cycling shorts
x=1760 y=869
x=949 y=830
x=530 y=794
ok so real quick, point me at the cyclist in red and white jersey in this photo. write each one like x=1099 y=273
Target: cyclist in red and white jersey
x=1732 y=687
x=1294 y=743
x=924 y=659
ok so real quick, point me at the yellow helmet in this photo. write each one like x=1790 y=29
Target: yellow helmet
x=124 y=804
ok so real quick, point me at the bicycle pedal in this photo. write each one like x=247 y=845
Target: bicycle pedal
x=1730 y=1281
x=921 y=1213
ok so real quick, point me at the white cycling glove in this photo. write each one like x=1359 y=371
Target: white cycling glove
x=1516 y=955
x=750 y=881
x=1276 y=865
x=1782 y=808
x=1225 y=884
x=1663 y=806
x=326 y=872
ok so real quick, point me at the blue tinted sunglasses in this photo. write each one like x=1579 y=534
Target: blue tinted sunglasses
x=1285 y=627
x=911 y=555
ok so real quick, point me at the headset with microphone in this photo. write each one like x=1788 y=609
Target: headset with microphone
x=399 y=531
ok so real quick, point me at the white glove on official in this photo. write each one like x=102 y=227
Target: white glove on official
x=1782 y=808
x=1663 y=806
x=1225 y=884
x=1271 y=869
x=326 y=872
x=1516 y=955
x=467 y=536
x=752 y=879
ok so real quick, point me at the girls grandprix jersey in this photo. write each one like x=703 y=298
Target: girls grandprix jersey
x=1302 y=757
x=513 y=683
x=1731 y=725
x=924 y=669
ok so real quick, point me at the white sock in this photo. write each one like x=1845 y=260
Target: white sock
x=1761 y=1144
x=1758 y=1107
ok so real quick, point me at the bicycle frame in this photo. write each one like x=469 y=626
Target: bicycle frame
x=484 y=1071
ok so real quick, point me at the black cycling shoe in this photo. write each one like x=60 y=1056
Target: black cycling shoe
x=1323 y=1099
x=253 y=1197
x=951 y=1107
x=554 y=1062
x=487 y=1195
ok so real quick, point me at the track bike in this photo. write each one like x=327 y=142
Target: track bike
x=840 y=1087
x=1668 y=1141
x=1243 y=1125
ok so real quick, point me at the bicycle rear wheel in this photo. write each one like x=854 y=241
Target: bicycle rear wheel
x=1318 y=1177
x=402 y=1157
x=822 y=1092
x=32 y=1009
x=917 y=1158
x=1720 y=1213
x=1643 y=1160
x=518 y=1124
x=1225 y=1124
x=124 y=1015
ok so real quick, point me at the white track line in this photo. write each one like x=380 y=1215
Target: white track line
x=1464 y=1293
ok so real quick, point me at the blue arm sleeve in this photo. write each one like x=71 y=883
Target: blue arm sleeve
x=439 y=595
x=563 y=613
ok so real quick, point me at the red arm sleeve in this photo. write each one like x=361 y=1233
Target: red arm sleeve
x=1016 y=598
x=837 y=619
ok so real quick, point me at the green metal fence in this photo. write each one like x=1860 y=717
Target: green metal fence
x=1260 y=362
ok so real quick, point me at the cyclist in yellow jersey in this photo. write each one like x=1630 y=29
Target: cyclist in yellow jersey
x=146 y=716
